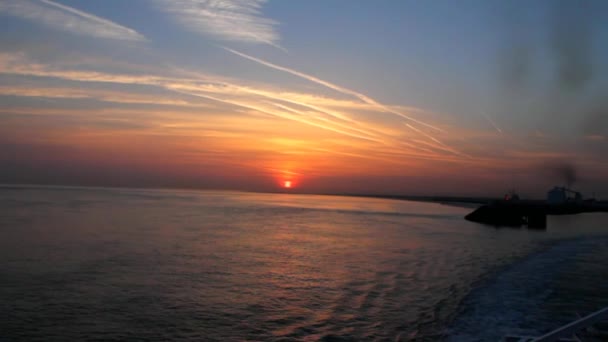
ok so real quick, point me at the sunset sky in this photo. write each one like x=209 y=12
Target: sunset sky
x=400 y=97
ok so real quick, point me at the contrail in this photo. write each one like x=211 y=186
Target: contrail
x=299 y=103
x=295 y=111
x=265 y=41
x=130 y=32
x=371 y=134
x=441 y=144
x=279 y=115
x=330 y=113
x=425 y=134
x=492 y=122
x=330 y=85
x=297 y=118
x=277 y=46
x=368 y=131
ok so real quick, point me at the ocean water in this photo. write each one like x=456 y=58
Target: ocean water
x=118 y=264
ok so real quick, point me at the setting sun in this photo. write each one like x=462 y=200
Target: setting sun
x=287 y=184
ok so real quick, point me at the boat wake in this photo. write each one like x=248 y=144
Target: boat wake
x=535 y=295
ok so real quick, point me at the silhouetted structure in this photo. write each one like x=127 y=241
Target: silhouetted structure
x=515 y=212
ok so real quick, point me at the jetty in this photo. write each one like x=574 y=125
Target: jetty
x=515 y=212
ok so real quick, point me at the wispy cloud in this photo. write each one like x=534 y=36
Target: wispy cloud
x=100 y=95
x=379 y=106
x=227 y=20
x=262 y=102
x=68 y=19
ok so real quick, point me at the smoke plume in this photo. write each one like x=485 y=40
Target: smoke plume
x=563 y=171
x=571 y=42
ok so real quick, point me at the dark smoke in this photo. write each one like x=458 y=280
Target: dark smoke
x=516 y=60
x=564 y=171
x=571 y=42
x=570 y=101
x=517 y=65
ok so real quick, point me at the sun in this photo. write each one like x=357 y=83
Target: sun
x=287 y=184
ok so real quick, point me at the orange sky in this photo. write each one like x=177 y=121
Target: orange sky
x=111 y=104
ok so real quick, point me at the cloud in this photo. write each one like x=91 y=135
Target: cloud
x=227 y=20
x=257 y=101
x=100 y=95
x=299 y=107
x=572 y=36
x=377 y=105
x=227 y=117
x=68 y=19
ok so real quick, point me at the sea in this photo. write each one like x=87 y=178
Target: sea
x=106 y=264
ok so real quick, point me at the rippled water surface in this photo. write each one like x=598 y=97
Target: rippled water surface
x=103 y=264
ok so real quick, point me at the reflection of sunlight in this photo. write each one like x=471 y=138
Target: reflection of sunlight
x=340 y=262
x=300 y=261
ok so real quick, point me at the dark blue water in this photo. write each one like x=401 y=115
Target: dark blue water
x=109 y=264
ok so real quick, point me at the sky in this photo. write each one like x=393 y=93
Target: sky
x=331 y=96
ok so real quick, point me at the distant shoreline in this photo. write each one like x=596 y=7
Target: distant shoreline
x=435 y=199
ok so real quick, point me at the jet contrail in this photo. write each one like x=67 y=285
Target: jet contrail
x=425 y=134
x=392 y=140
x=279 y=115
x=300 y=119
x=342 y=126
x=133 y=35
x=330 y=85
x=441 y=146
x=492 y=122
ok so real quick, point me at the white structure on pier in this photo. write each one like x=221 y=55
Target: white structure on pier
x=561 y=195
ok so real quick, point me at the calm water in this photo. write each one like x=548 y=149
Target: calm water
x=108 y=264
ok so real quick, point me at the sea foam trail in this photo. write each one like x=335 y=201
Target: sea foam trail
x=528 y=297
